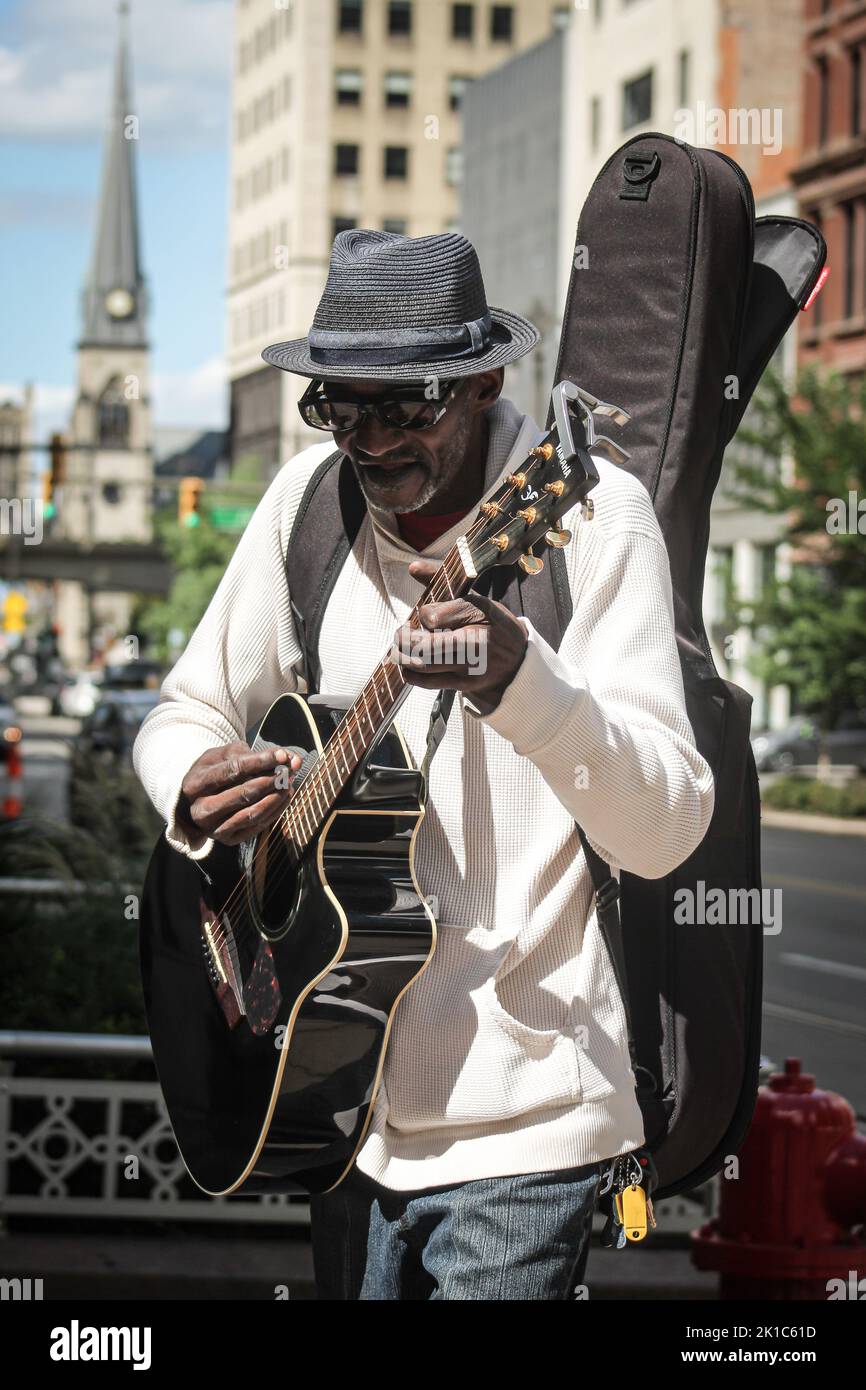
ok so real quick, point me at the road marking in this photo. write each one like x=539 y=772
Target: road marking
x=830 y=1025
x=844 y=890
x=827 y=967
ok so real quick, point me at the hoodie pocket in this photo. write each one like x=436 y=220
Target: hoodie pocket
x=541 y=1063
x=457 y=1057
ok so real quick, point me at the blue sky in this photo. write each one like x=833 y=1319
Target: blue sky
x=55 y=78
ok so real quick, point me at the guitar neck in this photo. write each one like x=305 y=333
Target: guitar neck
x=368 y=717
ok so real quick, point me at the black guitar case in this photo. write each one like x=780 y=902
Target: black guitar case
x=677 y=300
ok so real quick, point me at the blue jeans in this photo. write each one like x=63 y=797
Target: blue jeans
x=521 y=1237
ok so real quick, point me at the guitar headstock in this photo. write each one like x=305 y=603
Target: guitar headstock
x=556 y=474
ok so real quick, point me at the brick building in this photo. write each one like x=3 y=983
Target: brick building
x=831 y=178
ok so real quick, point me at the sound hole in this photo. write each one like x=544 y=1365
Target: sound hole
x=274 y=885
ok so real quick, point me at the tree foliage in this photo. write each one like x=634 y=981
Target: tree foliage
x=811 y=625
x=199 y=556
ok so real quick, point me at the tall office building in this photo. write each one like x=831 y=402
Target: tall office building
x=345 y=113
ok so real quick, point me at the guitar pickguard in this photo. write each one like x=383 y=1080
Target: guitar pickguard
x=256 y=996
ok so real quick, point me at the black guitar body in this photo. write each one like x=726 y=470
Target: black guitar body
x=269 y=1020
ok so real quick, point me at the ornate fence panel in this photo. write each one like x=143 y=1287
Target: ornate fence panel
x=71 y=1147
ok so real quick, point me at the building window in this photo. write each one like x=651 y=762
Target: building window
x=342 y=224
x=823 y=100
x=683 y=62
x=398 y=88
x=456 y=87
x=594 y=124
x=396 y=162
x=560 y=17
x=395 y=224
x=502 y=23
x=346 y=159
x=856 y=89
x=399 y=17
x=637 y=100
x=349 y=84
x=454 y=166
x=598 y=12
x=462 y=21
x=350 y=16
x=112 y=416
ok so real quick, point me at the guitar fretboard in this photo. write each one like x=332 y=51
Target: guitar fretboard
x=361 y=724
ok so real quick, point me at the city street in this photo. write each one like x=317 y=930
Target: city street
x=815 y=968
x=45 y=750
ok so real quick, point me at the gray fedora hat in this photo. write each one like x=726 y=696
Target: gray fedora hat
x=401 y=308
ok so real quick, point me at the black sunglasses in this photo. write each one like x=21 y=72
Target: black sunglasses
x=326 y=406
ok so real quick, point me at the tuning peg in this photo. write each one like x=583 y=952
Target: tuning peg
x=531 y=563
x=557 y=538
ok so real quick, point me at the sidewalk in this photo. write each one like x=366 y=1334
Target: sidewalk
x=178 y=1265
x=805 y=820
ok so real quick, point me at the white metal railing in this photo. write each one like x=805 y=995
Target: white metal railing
x=105 y=1149
x=92 y=1148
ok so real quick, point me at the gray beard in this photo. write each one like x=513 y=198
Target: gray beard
x=433 y=485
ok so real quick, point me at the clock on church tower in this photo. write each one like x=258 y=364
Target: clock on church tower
x=119 y=303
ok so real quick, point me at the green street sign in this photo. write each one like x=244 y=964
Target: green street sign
x=230 y=518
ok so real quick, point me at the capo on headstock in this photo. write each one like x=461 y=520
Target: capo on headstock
x=567 y=398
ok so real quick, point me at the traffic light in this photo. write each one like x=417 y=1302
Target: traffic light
x=14 y=610
x=54 y=477
x=189 y=501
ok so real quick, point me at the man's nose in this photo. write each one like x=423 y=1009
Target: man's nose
x=374 y=438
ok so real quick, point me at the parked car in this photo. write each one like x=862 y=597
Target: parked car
x=109 y=732
x=846 y=743
x=133 y=675
x=801 y=742
x=778 y=750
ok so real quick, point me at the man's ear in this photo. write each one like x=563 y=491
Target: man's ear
x=488 y=387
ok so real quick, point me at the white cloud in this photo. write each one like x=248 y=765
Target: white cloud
x=197 y=397
x=55 y=73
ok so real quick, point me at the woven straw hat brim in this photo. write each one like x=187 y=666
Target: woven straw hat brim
x=512 y=337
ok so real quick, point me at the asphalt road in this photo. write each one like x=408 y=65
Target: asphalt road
x=815 y=968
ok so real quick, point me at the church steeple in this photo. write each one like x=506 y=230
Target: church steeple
x=115 y=294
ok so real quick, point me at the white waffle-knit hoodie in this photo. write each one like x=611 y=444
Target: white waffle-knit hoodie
x=509 y=1055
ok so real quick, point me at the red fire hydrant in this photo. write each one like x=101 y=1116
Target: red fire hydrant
x=787 y=1223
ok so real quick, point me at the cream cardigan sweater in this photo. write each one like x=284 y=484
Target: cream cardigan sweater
x=509 y=1055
